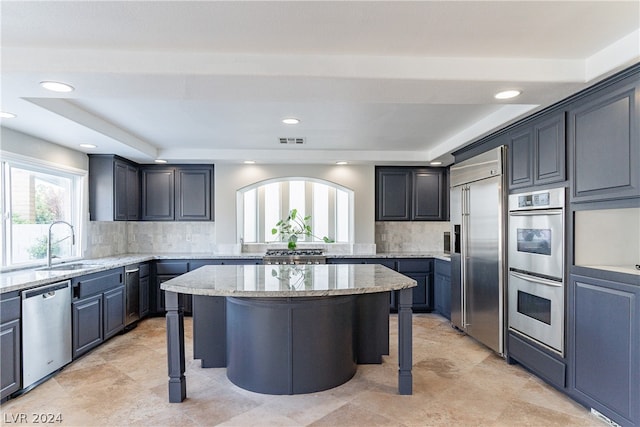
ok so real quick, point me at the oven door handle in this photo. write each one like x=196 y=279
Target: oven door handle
x=536 y=279
x=536 y=213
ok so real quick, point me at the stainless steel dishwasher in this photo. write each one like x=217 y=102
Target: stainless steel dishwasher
x=46 y=331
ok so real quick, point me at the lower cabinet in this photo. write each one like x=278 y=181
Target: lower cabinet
x=144 y=297
x=604 y=345
x=419 y=269
x=442 y=288
x=166 y=270
x=113 y=312
x=97 y=309
x=87 y=318
x=10 y=334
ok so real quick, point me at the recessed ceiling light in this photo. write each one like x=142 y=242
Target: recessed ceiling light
x=342 y=162
x=160 y=161
x=7 y=115
x=249 y=162
x=507 y=94
x=290 y=121
x=56 y=86
x=435 y=163
x=88 y=146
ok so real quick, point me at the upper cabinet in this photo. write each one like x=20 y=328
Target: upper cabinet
x=537 y=152
x=177 y=193
x=605 y=145
x=120 y=190
x=114 y=189
x=411 y=194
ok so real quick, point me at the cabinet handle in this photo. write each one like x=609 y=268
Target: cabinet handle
x=132 y=271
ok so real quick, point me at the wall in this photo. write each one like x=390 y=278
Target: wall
x=230 y=178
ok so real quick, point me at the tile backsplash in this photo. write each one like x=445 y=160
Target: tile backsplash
x=118 y=237
x=410 y=236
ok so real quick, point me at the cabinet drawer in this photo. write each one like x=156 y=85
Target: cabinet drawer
x=10 y=309
x=414 y=265
x=172 y=267
x=96 y=283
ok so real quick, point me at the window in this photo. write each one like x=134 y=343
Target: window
x=263 y=204
x=33 y=197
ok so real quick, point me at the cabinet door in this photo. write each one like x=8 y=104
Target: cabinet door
x=144 y=296
x=10 y=358
x=87 y=320
x=113 y=312
x=393 y=195
x=428 y=188
x=605 y=146
x=193 y=194
x=605 y=347
x=521 y=158
x=549 y=150
x=133 y=193
x=423 y=293
x=158 y=191
x=120 y=173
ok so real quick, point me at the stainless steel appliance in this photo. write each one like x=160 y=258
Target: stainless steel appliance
x=478 y=247
x=299 y=256
x=46 y=331
x=132 y=295
x=536 y=266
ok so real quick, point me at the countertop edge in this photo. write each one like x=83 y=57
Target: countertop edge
x=19 y=280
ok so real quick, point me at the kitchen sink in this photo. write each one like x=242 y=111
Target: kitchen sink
x=69 y=267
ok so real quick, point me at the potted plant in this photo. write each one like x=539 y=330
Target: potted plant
x=293 y=227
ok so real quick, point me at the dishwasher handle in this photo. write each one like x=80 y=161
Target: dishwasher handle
x=45 y=290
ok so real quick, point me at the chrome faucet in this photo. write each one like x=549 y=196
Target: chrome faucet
x=73 y=239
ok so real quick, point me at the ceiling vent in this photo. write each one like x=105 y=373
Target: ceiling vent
x=294 y=141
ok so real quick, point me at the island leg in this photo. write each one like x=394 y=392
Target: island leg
x=175 y=347
x=405 y=341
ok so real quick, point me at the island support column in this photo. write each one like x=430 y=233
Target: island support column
x=405 y=341
x=175 y=347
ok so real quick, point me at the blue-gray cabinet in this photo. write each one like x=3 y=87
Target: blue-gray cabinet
x=114 y=188
x=144 y=290
x=10 y=344
x=411 y=194
x=177 y=193
x=537 y=152
x=419 y=269
x=605 y=143
x=604 y=345
x=97 y=309
x=442 y=288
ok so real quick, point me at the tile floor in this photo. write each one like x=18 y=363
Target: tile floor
x=457 y=382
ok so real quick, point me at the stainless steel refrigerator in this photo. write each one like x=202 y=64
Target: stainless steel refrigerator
x=478 y=247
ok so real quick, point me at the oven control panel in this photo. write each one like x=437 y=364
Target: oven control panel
x=542 y=199
x=533 y=200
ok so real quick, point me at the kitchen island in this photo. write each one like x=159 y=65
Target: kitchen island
x=288 y=329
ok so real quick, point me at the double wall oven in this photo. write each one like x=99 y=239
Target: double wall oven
x=536 y=289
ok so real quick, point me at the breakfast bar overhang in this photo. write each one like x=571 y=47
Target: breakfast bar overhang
x=288 y=329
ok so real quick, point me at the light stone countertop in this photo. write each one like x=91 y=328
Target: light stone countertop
x=285 y=281
x=17 y=280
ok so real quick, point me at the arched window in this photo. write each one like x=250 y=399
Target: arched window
x=262 y=205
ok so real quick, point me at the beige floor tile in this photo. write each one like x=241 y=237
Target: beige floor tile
x=456 y=382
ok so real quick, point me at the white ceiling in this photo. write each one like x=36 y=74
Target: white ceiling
x=372 y=82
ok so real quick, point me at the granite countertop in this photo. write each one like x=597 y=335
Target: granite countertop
x=284 y=281
x=30 y=278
